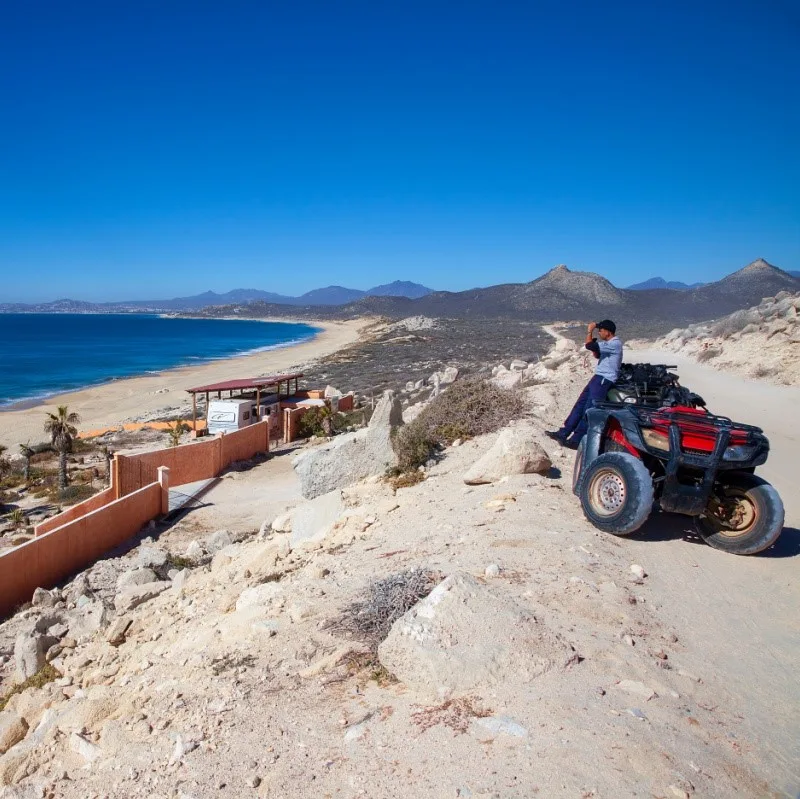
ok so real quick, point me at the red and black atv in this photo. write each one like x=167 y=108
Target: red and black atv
x=654 y=441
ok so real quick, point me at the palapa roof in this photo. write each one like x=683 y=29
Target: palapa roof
x=244 y=383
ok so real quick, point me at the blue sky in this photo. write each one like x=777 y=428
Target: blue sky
x=153 y=149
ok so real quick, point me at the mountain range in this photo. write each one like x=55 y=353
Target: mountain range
x=560 y=294
x=330 y=295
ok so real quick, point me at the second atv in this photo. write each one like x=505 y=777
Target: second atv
x=653 y=441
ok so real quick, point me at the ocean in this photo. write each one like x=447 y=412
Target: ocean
x=46 y=354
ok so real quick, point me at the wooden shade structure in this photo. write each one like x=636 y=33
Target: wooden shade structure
x=257 y=384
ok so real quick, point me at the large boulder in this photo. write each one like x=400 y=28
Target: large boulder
x=13 y=729
x=137 y=595
x=507 y=379
x=354 y=456
x=30 y=650
x=312 y=521
x=465 y=637
x=516 y=451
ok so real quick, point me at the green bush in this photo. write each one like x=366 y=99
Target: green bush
x=314 y=422
x=468 y=408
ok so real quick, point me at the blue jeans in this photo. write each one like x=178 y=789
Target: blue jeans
x=595 y=391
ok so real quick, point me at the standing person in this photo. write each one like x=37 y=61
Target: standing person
x=607 y=348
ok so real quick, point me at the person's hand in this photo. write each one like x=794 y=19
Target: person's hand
x=592 y=326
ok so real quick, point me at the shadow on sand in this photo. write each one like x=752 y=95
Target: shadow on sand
x=672 y=526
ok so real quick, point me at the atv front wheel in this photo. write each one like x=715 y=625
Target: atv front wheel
x=744 y=515
x=616 y=493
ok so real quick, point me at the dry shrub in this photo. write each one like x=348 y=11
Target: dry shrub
x=45 y=675
x=457 y=714
x=760 y=370
x=707 y=354
x=406 y=479
x=468 y=408
x=369 y=620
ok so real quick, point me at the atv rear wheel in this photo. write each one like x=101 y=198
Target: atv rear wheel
x=616 y=493
x=744 y=515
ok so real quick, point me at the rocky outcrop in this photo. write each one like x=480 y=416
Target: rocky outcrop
x=516 y=451
x=464 y=636
x=353 y=456
x=759 y=342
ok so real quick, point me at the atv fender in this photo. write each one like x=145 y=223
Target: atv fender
x=597 y=423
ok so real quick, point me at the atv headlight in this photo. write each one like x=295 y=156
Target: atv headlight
x=739 y=452
x=655 y=439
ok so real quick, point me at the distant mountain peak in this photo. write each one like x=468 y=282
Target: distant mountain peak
x=583 y=286
x=759 y=265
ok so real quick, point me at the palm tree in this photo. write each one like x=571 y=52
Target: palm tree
x=27 y=452
x=62 y=430
x=175 y=432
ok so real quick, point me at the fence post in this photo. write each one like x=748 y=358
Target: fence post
x=115 y=481
x=163 y=481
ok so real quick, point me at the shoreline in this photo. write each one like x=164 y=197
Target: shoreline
x=117 y=400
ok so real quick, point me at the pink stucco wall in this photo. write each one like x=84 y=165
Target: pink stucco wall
x=49 y=558
x=100 y=499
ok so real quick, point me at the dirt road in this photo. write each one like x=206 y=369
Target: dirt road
x=741 y=613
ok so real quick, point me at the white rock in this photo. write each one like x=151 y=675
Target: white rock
x=135 y=577
x=491 y=571
x=194 y=551
x=137 y=595
x=151 y=557
x=217 y=541
x=86 y=749
x=42 y=598
x=638 y=571
x=463 y=637
x=518 y=365
x=507 y=379
x=313 y=520
x=267 y=597
x=635 y=687
x=516 y=451
x=283 y=523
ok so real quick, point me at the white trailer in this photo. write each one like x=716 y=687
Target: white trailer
x=227 y=415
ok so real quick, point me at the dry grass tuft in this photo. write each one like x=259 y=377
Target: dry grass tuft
x=45 y=675
x=369 y=620
x=406 y=479
x=454 y=713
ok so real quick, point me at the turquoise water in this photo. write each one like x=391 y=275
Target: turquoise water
x=44 y=354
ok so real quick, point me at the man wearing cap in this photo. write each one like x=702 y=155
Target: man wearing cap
x=607 y=348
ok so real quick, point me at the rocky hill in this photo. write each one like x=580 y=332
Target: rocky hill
x=562 y=294
x=469 y=635
x=761 y=342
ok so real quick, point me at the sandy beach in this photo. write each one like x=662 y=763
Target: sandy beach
x=112 y=403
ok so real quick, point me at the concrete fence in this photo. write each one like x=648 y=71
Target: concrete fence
x=189 y=462
x=139 y=492
x=49 y=558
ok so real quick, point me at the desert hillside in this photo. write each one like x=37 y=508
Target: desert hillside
x=762 y=342
x=462 y=633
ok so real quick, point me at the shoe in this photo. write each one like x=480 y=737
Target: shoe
x=569 y=444
x=556 y=435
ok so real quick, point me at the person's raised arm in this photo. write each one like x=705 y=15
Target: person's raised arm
x=591 y=343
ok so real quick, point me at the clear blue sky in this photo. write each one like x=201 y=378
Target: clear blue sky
x=153 y=149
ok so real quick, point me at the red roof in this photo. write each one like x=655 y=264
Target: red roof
x=245 y=382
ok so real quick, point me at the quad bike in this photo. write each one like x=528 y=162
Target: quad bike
x=653 y=440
